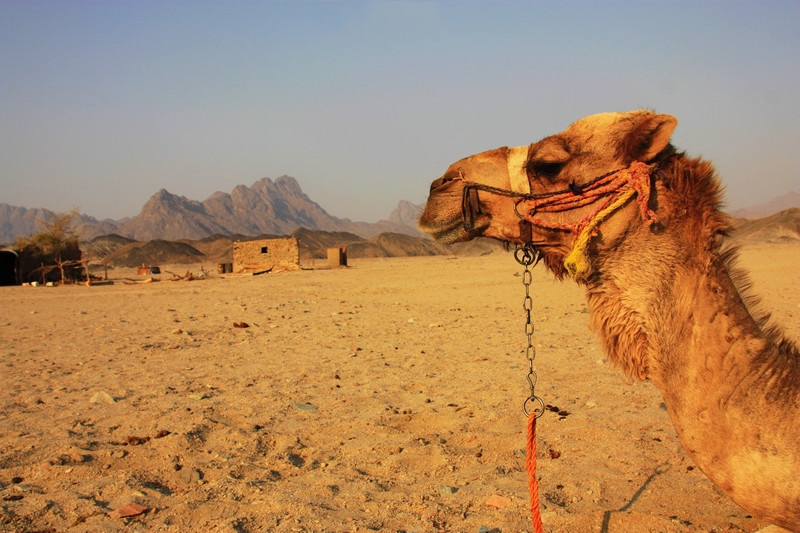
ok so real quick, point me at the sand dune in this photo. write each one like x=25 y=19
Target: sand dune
x=381 y=397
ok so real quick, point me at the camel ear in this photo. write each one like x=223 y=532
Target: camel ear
x=649 y=137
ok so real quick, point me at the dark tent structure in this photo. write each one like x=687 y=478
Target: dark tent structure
x=9 y=267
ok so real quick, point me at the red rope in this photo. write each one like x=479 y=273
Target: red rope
x=608 y=188
x=530 y=466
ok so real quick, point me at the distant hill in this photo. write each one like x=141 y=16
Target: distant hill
x=780 y=227
x=396 y=245
x=776 y=205
x=154 y=253
x=267 y=207
x=105 y=245
x=121 y=252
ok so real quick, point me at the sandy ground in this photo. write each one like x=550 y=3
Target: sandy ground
x=381 y=397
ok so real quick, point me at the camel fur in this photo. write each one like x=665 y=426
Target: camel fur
x=664 y=297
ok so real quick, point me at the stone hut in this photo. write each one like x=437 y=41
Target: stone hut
x=265 y=254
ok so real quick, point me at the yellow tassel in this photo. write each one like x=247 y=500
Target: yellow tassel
x=576 y=263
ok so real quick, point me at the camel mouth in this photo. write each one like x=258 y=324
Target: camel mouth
x=454 y=232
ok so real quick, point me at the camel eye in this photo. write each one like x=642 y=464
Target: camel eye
x=544 y=169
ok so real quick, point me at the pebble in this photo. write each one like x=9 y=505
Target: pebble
x=295 y=460
x=102 y=397
x=78 y=457
x=191 y=476
x=445 y=490
x=498 y=502
x=129 y=510
x=26 y=487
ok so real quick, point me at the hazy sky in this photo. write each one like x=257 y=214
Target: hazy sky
x=104 y=103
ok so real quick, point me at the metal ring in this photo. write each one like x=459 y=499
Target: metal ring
x=523 y=256
x=535 y=399
x=516 y=211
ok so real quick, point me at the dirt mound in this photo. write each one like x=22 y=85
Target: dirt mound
x=216 y=248
x=399 y=245
x=363 y=249
x=104 y=245
x=314 y=244
x=476 y=247
x=780 y=227
x=155 y=253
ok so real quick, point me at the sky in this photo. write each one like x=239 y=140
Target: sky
x=103 y=103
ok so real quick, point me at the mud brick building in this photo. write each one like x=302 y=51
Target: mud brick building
x=265 y=254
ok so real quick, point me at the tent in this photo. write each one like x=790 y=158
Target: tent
x=9 y=267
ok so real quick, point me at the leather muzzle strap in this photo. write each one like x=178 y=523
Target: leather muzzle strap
x=470 y=207
x=517 y=176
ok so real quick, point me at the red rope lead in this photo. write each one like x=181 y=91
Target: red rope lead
x=530 y=466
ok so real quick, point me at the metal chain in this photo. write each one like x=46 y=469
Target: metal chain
x=527 y=256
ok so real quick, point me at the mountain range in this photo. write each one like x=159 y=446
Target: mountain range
x=276 y=207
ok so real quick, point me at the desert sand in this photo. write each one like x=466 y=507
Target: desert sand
x=385 y=396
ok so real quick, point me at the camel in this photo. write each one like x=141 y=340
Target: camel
x=611 y=203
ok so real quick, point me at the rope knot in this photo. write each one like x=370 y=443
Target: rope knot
x=610 y=192
x=638 y=177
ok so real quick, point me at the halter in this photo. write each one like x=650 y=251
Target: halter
x=610 y=191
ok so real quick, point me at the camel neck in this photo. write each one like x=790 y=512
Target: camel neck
x=726 y=383
x=709 y=338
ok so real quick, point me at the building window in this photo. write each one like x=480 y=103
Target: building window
x=264 y=250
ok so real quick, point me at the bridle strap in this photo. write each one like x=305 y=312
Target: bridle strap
x=609 y=192
x=517 y=176
x=572 y=197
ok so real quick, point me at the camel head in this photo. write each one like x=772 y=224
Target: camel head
x=543 y=193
